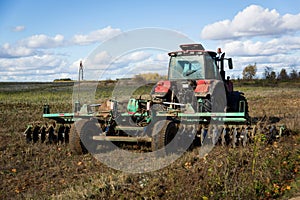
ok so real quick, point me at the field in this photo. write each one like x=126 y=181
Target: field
x=40 y=171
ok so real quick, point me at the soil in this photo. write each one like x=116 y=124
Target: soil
x=42 y=171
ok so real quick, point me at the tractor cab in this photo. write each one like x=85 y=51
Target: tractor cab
x=193 y=62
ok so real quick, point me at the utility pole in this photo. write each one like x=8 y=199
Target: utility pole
x=80 y=77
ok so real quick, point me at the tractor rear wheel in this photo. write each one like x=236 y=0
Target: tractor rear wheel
x=218 y=99
x=163 y=133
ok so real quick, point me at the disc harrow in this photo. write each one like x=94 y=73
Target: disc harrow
x=48 y=133
x=224 y=135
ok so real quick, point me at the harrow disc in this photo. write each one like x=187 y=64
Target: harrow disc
x=47 y=133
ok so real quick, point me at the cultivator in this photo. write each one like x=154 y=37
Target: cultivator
x=196 y=105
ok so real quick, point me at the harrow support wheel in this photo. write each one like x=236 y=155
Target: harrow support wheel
x=76 y=145
x=163 y=133
x=80 y=138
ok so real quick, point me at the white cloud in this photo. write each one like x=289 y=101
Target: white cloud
x=96 y=36
x=285 y=45
x=291 y=22
x=252 y=21
x=258 y=35
x=30 y=56
x=35 y=68
x=153 y=62
x=162 y=57
x=132 y=57
x=36 y=43
x=8 y=51
x=31 y=63
x=152 y=65
x=277 y=53
x=101 y=58
x=18 y=28
x=104 y=60
x=43 y=41
x=104 y=66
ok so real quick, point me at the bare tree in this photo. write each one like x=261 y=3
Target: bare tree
x=294 y=74
x=283 y=75
x=269 y=73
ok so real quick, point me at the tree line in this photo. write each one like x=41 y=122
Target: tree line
x=249 y=73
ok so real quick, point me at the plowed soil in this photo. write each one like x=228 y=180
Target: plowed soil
x=41 y=171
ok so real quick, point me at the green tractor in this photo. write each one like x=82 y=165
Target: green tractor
x=194 y=103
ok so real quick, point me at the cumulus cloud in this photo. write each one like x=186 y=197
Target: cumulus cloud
x=283 y=45
x=258 y=35
x=250 y=48
x=103 y=59
x=35 y=43
x=31 y=63
x=153 y=62
x=100 y=58
x=34 y=56
x=157 y=63
x=96 y=36
x=43 y=41
x=8 y=51
x=102 y=65
x=35 y=68
x=251 y=22
x=132 y=57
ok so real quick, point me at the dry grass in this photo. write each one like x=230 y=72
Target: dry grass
x=276 y=102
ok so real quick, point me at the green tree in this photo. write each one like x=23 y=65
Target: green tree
x=249 y=72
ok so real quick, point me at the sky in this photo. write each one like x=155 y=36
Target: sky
x=46 y=40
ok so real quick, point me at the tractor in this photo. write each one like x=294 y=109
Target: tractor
x=195 y=104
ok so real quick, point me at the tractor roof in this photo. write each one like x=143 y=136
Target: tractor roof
x=186 y=47
x=191 y=49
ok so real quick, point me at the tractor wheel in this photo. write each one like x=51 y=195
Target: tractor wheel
x=76 y=145
x=216 y=102
x=80 y=137
x=218 y=99
x=163 y=133
x=90 y=129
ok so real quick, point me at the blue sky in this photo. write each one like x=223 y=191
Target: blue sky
x=44 y=40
